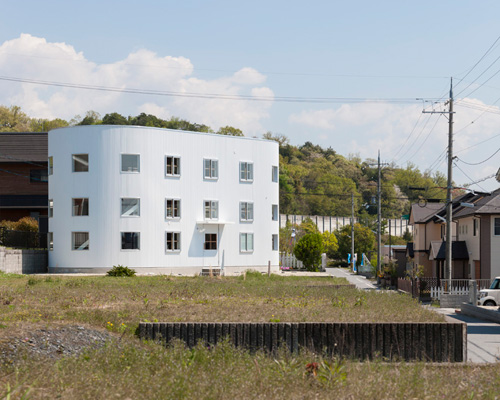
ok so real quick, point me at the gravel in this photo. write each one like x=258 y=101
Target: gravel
x=50 y=342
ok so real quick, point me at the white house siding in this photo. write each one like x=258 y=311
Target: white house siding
x=465 y=229
x=104 y=184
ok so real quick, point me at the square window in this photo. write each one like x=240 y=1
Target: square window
x=172 y=208
x=172 y=166
x=211 y=209
x=275 y=243
x=131 y=163
x=51 y=208
x=51 y=165
x=210 y=241
x=50 y=240
x=39 y=176
x=246 y=172
x=80 y=240
x=131 y=240
x=131 y=207
x=275 y=212
x=210 y=169
x=173 y=241
x=246 y=242
x=497 y=226
x=80 y=207
x=275 y=173
x=246 y=211
x=80 y=162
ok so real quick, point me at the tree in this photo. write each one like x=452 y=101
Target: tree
x=364 y=240
x=281 y=139
x=91 y=118
x=330 y=244
x=12 y=119
x=229 y=130
x=114 y=119
x=308 y=250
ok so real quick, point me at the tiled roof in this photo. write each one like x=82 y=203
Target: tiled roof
x=18 y=147
x=437 y=250
x=422 y=214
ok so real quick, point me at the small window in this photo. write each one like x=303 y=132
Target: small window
x=497 y=226
x=51 y=208
x=246 y=242
x=275 y=173
x=50 y=241
x=51 y=165
x=80 y=240
x=275 y=212
x=80 y=162
x=246 y=172
x=172 y=208
x=275 y=243
x=210 y=169
x=172 y=166
x=131 y=240
x=131 y=207
x=80 y=207
x=131 y=163
x=475 y=226
x=39 y=176
x=173 y=241
x=210 y=241
x=211 y=209
x=246 y=211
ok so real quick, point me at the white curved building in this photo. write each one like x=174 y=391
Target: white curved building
x=161 y=201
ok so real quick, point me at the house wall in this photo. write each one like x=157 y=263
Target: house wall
x=495 y=249
x=486 y=244
x=465 y=232
x=17 y=180
x=104 y=184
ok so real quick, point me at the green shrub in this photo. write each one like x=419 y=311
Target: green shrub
x=120 y=270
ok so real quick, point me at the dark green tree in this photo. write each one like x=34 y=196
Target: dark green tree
x=308 y=250
x=364 y=241
x=229 y=130
x=114 y=119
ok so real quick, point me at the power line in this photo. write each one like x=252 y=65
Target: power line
x=408 y=137
x=425 y=140
x=418 y=136
x=476 y=182
x=213 y=96
x=477 y=144
x=480 y=162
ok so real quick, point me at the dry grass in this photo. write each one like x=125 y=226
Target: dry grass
x=128 y=368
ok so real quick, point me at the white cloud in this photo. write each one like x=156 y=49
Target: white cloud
x=30 y=57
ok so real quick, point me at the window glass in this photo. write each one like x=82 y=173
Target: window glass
x=131 y=207
x=173 y=241
x=80 y=240
x=246 y=211
x=81 y=207
x=130 y=163
x=211 y=209
x=131 y=240
x=80 y=162
x=246 y=241
x=51 y=208
x=173 y=166
x=210 y=169
x=50 y=241
x=210 y=241
x=275 y=212
x=497 y=226
x=51 y=165
x=39 y=176
x=172 y=208
x=246 y=171
x=275 y=242
x=275 y=173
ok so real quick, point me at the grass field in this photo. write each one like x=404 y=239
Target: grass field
x=128 y=368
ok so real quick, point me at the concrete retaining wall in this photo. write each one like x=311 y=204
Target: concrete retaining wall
x=16 y=261
x=484 y=313
x=453 y=300
x=439 y=342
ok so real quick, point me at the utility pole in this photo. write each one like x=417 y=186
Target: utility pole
x=379 y=218
x=449 y=208
x=352 y=231
x=449 y=187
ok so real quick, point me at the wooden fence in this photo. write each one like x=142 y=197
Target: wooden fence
x=434 y=287
x=438 y=342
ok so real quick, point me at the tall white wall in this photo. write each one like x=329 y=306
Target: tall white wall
x=104 y=184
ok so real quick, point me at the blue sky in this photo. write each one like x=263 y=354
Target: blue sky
x=319 y=49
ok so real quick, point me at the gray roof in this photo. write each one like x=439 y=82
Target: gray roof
x=422 y=214
x=23 y=146
x=484 y=203
x=437 y=250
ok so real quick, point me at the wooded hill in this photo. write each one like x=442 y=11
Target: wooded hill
x=313 y=180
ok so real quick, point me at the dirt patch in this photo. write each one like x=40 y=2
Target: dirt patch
x=49 y=341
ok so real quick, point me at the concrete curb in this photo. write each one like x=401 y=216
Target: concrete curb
x=481 y=313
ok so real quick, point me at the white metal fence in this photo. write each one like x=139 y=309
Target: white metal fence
x=289 y=261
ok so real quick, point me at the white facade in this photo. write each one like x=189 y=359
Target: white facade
x=195 y=200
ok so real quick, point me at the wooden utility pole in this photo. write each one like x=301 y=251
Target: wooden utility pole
x=449 y=187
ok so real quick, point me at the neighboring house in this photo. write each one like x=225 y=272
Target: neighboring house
x=475 y=237
x=23 y=176
x=161 y=201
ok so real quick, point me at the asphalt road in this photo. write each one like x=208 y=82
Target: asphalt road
x=359 y=280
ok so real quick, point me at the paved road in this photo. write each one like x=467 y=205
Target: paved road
x=359 y=280
x=483 y=337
